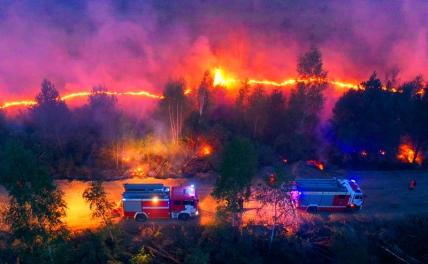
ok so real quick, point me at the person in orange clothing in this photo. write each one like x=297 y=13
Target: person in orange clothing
x=412 y=184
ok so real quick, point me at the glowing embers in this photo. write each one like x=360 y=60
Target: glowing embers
x=137 y=171
x=205 y=150
x=317 y=164
x=364 y=154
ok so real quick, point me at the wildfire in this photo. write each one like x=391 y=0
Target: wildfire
x=205 y=150
x=126 y=159
x=84 y=94
x=407 y=154
x=17 y=103
x=317 y=164
x=421 y=92
x=187 y=91
x=138 y=171
x=219 y=80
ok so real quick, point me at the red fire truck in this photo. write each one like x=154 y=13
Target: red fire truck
x=156 y=201
x=332 y=195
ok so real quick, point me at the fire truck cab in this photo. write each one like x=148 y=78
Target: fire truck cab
x=332 y=195
x=156 y=201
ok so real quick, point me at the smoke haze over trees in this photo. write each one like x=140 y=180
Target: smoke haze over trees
x=378 y=124
x=128 y=44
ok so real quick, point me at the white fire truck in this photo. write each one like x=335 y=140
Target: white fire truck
x=331 y=195
x=156 y=201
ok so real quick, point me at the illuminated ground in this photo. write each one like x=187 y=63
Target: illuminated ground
x=387 y=196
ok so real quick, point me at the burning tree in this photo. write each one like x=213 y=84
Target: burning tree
x=415 y=118
x=408 y=153
x=375 y=122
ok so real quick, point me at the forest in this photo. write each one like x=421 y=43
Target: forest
x=380 y=125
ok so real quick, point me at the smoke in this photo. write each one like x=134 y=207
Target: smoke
x=141 y=44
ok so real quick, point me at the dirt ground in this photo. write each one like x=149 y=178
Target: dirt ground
x=386 y=193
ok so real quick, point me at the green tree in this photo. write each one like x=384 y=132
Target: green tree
x=369 y=120
x=102 y=128
x=174 y=108
x=103 y=114
x=274 y=200
x=3 y=127
x=310 y=65
x=276 y=116
x=239 y=111
x=305 y=107
x=36 y=206
x=257 y=112
x=142 y=257
x=238 y=167
x=49 y=123
x=414 y=115
x=100 y=205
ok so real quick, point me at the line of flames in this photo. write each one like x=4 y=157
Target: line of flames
x=85 y=94
x=218 y=81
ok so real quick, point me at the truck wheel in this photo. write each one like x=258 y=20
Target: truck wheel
x=141 y=218
x=183 y=217
x=312 y=209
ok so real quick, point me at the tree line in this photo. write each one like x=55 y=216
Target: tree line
x=368 y=127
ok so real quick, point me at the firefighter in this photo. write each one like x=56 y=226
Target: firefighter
x=412 y=184
x=272 y=179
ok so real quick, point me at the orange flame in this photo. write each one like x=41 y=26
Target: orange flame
x=83 y=94
x=219 y=80
x=317 y=164
x=138 y=171
x=205 y=150
x=17 y=103
x=407 y=154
